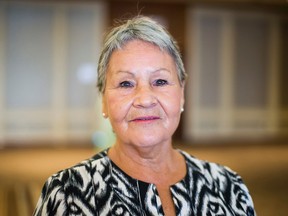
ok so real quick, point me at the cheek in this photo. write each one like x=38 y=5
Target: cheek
x=172 y=102
x=117 y=108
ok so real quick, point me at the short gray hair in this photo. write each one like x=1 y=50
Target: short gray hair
x=138 y=28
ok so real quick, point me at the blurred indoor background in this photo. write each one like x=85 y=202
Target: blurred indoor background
x=236 y=110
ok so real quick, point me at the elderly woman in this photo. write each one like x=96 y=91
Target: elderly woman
x=141 y=78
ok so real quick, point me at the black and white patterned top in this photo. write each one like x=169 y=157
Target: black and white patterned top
x=98 y=187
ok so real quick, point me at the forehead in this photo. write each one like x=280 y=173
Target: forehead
x=139 y=54
x=138 y=47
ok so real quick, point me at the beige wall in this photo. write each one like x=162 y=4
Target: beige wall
x=236 y=75
x=48 y=71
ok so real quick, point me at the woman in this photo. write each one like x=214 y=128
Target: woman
x=141 y=78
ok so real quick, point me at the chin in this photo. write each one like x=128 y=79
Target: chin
x=149 y=141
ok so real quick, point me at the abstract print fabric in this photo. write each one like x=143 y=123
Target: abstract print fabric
x=97 y=186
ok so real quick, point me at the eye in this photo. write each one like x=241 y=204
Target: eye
x=160 y=82
x=126 y=84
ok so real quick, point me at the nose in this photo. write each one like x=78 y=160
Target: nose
x=145 y=97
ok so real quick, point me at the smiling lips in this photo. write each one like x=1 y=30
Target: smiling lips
x=145 y=119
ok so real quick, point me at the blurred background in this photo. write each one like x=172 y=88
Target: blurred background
x=236 y=110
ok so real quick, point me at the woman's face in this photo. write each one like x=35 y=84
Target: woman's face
x=143 y=96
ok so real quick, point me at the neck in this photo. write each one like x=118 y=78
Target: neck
x=153 y=162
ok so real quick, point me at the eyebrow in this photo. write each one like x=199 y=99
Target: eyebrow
x=154 y=71
x=122 y=71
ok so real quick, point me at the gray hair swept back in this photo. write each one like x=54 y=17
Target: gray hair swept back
x=138 y=28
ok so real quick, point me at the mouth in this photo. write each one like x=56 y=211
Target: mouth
x=145 y=119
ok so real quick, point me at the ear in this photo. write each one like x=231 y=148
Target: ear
x=104 y=107
x=182 y=101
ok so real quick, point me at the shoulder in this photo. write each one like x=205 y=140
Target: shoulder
x=75 y=182
x=83 y=170
x=212 y=173
x=217 y=182
x=210 y=170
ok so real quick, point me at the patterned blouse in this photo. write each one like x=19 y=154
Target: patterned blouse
x=98 y=187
